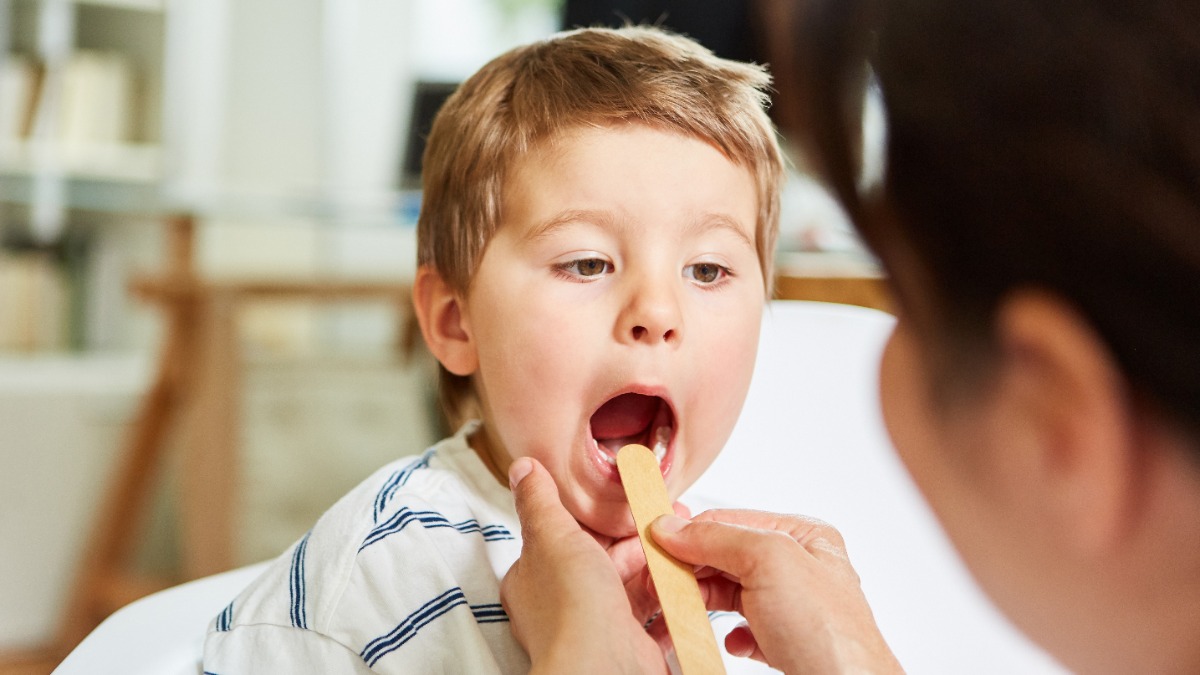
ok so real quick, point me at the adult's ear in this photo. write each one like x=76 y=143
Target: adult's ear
x=443 y=324
x=1063 y=383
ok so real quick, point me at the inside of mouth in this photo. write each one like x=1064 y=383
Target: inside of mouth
x=632 y=418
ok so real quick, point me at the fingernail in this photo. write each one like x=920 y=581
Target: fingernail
x=518 y=470
x=669 y=524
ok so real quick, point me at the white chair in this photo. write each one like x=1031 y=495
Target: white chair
x=810 y=440
x=161 y=634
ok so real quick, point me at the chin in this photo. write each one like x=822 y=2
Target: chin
x=610 y=525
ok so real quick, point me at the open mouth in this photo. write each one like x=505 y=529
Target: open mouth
x=633 y=418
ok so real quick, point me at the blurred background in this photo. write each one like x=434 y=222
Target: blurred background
x=207 y=227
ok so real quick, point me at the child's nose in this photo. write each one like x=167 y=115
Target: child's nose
x=642 y=333
x=652 y=316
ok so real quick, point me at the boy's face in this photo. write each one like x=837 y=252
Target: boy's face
x=618 y=302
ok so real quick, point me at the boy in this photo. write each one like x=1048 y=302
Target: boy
x=594 y=250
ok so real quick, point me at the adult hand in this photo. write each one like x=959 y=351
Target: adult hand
x=790 y=577
x=629 y=560
x=564 y=597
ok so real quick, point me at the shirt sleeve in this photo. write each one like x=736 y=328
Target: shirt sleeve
x=401 y=576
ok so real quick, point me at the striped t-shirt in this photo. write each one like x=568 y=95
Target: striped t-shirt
x=402 y=575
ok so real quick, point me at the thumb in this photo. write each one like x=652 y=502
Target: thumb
x=539 y=507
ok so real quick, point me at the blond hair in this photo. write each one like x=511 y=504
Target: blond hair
x=590 y=76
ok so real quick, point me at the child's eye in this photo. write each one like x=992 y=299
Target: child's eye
x=586 y=267
x=706 y=273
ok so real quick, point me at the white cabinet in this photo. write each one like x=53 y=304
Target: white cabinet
x=61 y=422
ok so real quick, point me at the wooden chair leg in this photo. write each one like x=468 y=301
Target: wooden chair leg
x=209 y=477
x=101 y=584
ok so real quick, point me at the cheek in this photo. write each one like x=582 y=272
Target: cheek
x=937 y=448
x=519 y=329
x=728 y=347
x=907 y=412
x=527 y=368
x=719 y=387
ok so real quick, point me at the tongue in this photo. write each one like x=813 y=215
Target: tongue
x=624 y=416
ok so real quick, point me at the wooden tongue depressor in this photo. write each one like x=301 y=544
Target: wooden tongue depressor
x=678 y=592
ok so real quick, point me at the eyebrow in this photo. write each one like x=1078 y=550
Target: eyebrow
x=568 y=217
x=705 y=223
x=720 y=221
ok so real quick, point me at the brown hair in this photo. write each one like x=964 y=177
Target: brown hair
x=1051 y=144
x=592 y=76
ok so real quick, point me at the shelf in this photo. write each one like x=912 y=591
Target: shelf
x=832 y=264
x=137 y=5
x=149 y=6
x=90 y=195
x=113 y=177
x=116 y=162
x=73 y=373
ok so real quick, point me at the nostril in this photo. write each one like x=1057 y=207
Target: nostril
x=639 y=332
x=668 y=336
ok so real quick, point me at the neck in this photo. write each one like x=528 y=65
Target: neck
x=1146 y=616
x=486 y=448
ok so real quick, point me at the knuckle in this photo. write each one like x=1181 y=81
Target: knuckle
x=821 y=531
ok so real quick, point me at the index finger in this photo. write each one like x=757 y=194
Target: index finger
x=800 y=528
x=738 y=541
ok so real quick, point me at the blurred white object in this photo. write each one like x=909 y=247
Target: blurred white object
x=96 y=100
x=810 y=219
x=161 y=634
x=810 y=441
x=61 y=422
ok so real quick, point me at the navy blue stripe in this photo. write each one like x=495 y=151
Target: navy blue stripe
x=496 y=533
x=296 y=585
x=225 y=618
x=398 y=479
x=431 y=520
x=379 y=498
x=489 y=613
x=407 y=629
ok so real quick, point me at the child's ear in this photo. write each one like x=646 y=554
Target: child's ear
x=1068 y=391
x=443 y=324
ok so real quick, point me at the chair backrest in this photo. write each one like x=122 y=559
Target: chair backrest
x=161 y=634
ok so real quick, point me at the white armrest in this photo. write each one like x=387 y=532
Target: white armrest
x=161 y=634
